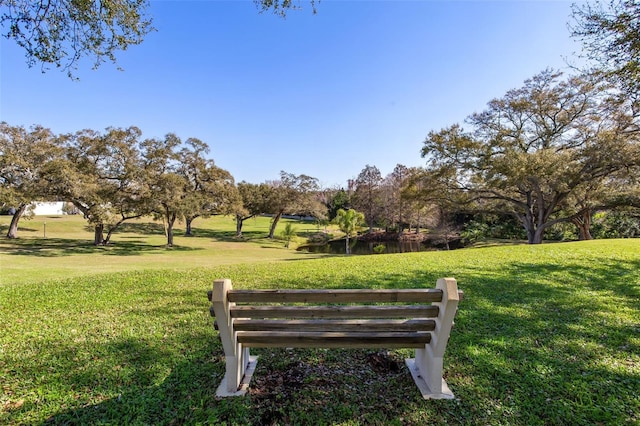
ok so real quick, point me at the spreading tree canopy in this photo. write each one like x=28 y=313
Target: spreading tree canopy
x=293 y=194
x=536 y=151
x=100 y=173
x=610 y=33
x=24 y=155
x=60 y=33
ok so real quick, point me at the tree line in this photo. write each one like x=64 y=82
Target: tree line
x=558 y=150
x=116 y=175
x=554 y=151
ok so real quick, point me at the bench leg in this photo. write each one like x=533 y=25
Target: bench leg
x=426 y=371
x=238 y=373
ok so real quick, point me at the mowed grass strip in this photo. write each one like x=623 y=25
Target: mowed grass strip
x=546 y=334
x=53 y=247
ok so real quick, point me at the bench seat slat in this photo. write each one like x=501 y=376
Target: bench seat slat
x=292 y=339
x=336 y=296
x=334 y=325
x=384 y=311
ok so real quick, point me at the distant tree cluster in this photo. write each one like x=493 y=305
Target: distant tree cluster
x=560 y=151
x=393 y=203
x=112 y=177
x=556 y=150
x=115 y=176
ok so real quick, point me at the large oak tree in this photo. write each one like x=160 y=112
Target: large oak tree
x=209 y=189
x=183 y=184
x=532 y=151
x=101 y=174
x=293 y=194
x=24 y=155
x=254 y=201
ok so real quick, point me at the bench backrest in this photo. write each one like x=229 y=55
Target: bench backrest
x=346 y=318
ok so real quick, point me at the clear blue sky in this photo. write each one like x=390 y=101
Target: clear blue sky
x=360 y=82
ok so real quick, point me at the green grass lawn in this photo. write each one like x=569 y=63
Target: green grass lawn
x=51 y=247
x=546 y=334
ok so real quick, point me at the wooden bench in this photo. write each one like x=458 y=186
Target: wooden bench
x=335 y=318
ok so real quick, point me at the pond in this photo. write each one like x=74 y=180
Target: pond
x=365 y=247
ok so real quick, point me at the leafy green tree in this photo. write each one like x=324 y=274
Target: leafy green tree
x=183 y=185
x=254 y=201
x=209 y=189
x=60 y=33
x=367 y=194
x=288 y=233
x=24 y=154
x=294 y=194
x=101 y=174
x=610 y=33
x=531 y=150
x=335 y=199
x=167 y=188
x=349 y=221
x=429 y=195
x=619 y=190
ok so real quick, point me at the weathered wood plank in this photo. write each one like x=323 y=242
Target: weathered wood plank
x=371 y=325
x=275 y=339
x=346 y=312
x=336 y=296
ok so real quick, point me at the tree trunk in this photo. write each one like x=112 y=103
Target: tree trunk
x=170 y=235
x=585 y=233
x=537 y=236
x=171 y=219
x=276 y=218
x=239 y=222
x=98 y=234
x=583 y=223
x=347 y=248
x=116 y=226
x=527 y=222
x=107 y=239
x=13 y=227
x=188 y=221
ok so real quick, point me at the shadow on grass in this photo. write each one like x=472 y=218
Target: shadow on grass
x=147 y=228
x=541 y=348
x=227 y=236
x=182 y=396
x=57 y=247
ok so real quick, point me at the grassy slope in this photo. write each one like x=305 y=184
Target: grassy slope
x=67 y=251
x=546 y=335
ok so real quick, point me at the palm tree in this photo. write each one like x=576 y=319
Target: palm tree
x=348 y=221
x=288 y=233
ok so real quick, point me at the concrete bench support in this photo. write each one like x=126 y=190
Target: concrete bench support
x=336 y=318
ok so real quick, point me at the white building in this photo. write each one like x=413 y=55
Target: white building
x=48 y=208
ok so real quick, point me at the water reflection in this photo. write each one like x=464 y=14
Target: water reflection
x=365 y=247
